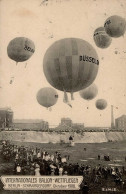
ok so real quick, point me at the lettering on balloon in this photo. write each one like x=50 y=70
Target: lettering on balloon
x=29 y=49
x=96 y=34
x=108 y=22
x=89 y=59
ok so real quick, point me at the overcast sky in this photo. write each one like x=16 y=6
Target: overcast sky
x=44 y=24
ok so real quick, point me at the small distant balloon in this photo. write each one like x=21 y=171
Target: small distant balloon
x=101 y=104
x=115 y=26
x=47 y=97
x=101 y=38
x=89 y=93
x=20 y=49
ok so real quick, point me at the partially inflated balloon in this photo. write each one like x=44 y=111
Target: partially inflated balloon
x=20 y=49
x=101 y=104
x=70 y=64
x=101 y=38
x=115 y=26
x=89 y=93
x=47 y=97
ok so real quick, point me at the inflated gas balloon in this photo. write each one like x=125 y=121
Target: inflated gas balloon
x=47 y=97
x=89 y=93
x=101 y=38
x=70 y=64
x=115 y=26
x=20 y=49
x=101 y=104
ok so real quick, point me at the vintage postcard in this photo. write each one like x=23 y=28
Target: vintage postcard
x=62 y=96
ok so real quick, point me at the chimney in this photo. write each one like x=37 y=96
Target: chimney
x=112 y=118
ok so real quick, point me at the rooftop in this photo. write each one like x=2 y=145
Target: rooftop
x=123 y=116
x=28 y=120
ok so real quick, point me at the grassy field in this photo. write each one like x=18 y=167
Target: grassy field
x=116 y=150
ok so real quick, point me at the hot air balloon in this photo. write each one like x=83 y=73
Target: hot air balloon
x=70 y=64
x=101 y=104
x=115 y=26
x=101 y=38
x=89 y=93
x=20 y=49
x=47 y=97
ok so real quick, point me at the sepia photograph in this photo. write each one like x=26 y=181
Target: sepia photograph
x=62 y=96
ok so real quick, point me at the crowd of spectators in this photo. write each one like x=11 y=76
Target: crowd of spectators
x=36 y=161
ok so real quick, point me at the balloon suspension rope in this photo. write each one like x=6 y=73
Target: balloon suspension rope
x=50 y=109
x=12 y=77
x=124 y=30
x=66 y=100
x=11 y=80
x=88 y=104
x=44 y=1
x=72 y=97
x=25 y=64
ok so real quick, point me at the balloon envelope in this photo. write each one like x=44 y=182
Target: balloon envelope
x=20 y=49
x=70 y=64
x=47 y=97
x=101 y=104
x=115 y=26
x=101 y=38
x=89 y=93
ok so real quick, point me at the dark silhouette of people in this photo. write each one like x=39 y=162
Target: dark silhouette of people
x=85 y=189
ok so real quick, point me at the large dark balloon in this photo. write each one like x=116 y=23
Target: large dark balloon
x=101 y=38
x=47 y=97
x=101 y=104
x=20 y=49
x=89 y=93
x=115 y=26
x=70 y=64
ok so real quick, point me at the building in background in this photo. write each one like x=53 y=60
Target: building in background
x=120 y=123
x=97 y=129
x=66 y=121
x=78 y=127
x=66 y=125
x=6 y=117
x=31 y=124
